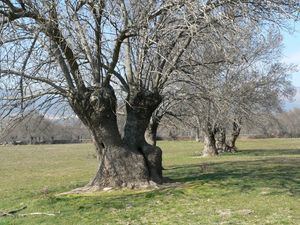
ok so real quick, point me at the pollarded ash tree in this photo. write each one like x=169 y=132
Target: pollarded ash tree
x=206 y=92
x=240 y=50
x=256 y=86
x=244 y=84
x=260 y=97
x=83 y=52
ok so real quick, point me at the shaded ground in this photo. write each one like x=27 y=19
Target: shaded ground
x=258 y=185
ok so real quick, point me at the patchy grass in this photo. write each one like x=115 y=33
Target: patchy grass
x=258 y=185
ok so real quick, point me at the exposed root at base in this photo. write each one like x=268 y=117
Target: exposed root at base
x=209 y=155
x=94 y=188
x=81 y=190
x=167 y=182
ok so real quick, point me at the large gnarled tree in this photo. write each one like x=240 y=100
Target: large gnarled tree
x=86 y=52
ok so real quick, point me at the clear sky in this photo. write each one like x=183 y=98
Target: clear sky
x=292 y=51
x=292 y=55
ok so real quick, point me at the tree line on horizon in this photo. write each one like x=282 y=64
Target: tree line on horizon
x=209 y=65
x=38 y=129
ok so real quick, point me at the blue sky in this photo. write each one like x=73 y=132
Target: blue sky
x=292 y=55
x=292 y=51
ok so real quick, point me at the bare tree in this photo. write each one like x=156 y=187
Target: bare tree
x=167 y=109
x=282 y=124
x=242 y=84
x=260 y=98
x=86 y=53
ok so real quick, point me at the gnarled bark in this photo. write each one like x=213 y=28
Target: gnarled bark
x=221 y=139
x=151 y=131
x=231 y=143
x=197 y=136
x=140 y=106
x=120 y=165
x=210 y=148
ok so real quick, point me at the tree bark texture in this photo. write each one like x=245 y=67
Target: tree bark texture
x=197 y=136
x=231 y=143
x=151 y=132
x=121 y=162
x=221 y=139
x=140 y=106
x=210 y=148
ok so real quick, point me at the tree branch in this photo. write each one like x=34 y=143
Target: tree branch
x=44 y=80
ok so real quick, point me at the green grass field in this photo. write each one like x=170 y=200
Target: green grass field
x=258 y=185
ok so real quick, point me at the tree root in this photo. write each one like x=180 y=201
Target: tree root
x=136 y=186
x=81 y=190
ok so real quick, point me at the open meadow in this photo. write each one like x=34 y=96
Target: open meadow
x=258 y=185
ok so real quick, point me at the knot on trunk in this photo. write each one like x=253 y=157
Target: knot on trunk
x=103 y=99
x=95 y=105
x=144 y=102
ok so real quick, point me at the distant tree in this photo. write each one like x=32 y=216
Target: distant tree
x=246 y=82
x=37 y=128
x=280 y=124
x=84 y=53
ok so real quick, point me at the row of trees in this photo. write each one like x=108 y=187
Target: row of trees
x=38 y=129
x=284 y=124
x=246 y=85
x=91 y=55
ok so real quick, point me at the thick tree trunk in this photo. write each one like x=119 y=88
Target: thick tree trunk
x=140 y=106
x=210 y=148
x=231 y=143
x=197 y=136
x=120 y=165
x=151 y=131
x=98 y=148
x=221 y=139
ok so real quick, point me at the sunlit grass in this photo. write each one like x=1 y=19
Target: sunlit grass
x=258 y=185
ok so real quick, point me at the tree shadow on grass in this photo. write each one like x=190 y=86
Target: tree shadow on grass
x=279 y=173
x=268 y=152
